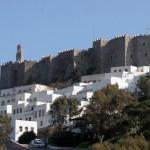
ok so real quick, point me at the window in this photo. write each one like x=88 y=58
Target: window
x=119 y=70
x=143 y=43
x=17 y=110
x=8 y=101
x=14 y=111
x=35 y=99
x=115 y=70
x=39 y=113
x=19 y=91
x=32 y=129
x=94 y=81
x=20 y=128
x=20 y=110
x=13 y=100
x=131 y=56
x=32 y=108
x=43 y=112
x=35 y=114
x=41 y=123
x=5 y=112
x=145 y=54
x=29 y=118
x=126 y=70
x=26 y=129
x=3 y=103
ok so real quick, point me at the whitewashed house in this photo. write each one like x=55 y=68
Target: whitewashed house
x=29 y=106
x=22 y=126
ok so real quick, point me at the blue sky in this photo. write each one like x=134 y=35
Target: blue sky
x=45 y=27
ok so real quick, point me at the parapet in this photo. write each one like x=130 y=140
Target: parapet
x=99 y=42
x=68 y=52
x=7 y=63
x=46 y=58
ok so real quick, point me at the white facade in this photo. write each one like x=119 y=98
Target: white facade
x=116 y=72
x=126 y=77
x=23 y=89
x=31 y=104
x=22 y=126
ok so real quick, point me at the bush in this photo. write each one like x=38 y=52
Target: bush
x=64 y=139
x=61 y=138
x=128 y=143
x=146 y=134
x=136 y=143
x=27 y=137
x=102 y=146
x=84 y=145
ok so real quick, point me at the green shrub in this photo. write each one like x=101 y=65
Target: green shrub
x=27 y=137
x=146 y=134
x=84 y=145
x=128 y=143
x=64 y=139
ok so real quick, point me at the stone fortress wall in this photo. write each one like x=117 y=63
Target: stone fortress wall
x=72 y=64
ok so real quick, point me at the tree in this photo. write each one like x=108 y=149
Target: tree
x=72 y=107
x=144 y=87
x=27 y=137
x=63 y=109
x=5 y=129
x=105 y=109
x=139 y=116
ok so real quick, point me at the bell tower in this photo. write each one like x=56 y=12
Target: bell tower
x=19 y=54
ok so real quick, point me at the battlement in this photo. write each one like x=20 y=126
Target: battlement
x=15 y=63
x=120 y=36
x=114 y=38
x=6 y=63
x=68 y=52
x=105 y=53
x=99 y=42
x=46 y=58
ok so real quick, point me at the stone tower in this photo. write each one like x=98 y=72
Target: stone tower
x=19 y=54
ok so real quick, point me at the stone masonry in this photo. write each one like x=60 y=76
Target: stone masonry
x=72 y=64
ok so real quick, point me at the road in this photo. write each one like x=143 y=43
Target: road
x=14 y=146
x=40 y=148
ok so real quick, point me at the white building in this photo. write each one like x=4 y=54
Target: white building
x=31 y=104
x=126 y=77
x=22 y=126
